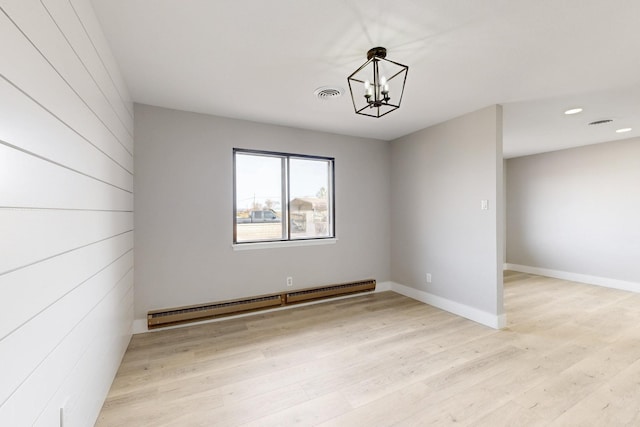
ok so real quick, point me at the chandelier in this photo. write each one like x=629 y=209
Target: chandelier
x=377 y=85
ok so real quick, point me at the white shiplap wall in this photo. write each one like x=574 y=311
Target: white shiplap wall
x=66 y=214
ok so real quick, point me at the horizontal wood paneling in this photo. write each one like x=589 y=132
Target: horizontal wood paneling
x=71 y=27
x=26 y=68
x=51 y=35
x=66 y=214
x=27 y=125
x=26 y=292
x=33 y=182
x=43 y=22
x=91 y=26
x=106 y=350
x=29 y=401
x=30 y=235
x=21 y=353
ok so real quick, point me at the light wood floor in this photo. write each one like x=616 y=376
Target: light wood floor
x=570 y=356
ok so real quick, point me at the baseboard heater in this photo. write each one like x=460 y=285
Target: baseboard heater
x=311 y=294
x=196 y=313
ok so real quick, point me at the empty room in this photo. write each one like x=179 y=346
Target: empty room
x=345 y=213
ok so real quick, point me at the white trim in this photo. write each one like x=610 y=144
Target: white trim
x=495 y=321
x=282 y=244
x=140 y=325
x=576 y=277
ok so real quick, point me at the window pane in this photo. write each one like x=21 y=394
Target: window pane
x=258 y=197
x=309 y=200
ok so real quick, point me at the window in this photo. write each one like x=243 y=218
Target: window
x=280 y=197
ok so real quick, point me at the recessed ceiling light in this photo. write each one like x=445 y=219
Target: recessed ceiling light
x=623 y=130
x=573 y=111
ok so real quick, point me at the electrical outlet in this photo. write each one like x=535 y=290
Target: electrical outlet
x=289 y=281
x=428 y=277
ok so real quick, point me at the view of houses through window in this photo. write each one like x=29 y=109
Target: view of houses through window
x=282 y=196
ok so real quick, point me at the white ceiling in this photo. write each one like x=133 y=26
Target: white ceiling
x=261 y=60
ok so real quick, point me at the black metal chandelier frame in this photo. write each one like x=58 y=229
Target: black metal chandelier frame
x=377 y=99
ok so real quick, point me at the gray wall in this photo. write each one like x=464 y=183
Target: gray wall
x=184 y=211
x=439 y=176
x=66 y=214
x=577 y=210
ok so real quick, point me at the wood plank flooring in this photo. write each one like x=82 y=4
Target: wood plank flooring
x=570 y=356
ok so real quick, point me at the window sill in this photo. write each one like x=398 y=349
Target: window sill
x=284 y=244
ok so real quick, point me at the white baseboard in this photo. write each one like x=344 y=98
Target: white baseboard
x=140 y=325
x=468 y=312
x=576 y=277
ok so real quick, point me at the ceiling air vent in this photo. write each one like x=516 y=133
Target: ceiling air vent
x=600 y=122
x=327 y=92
